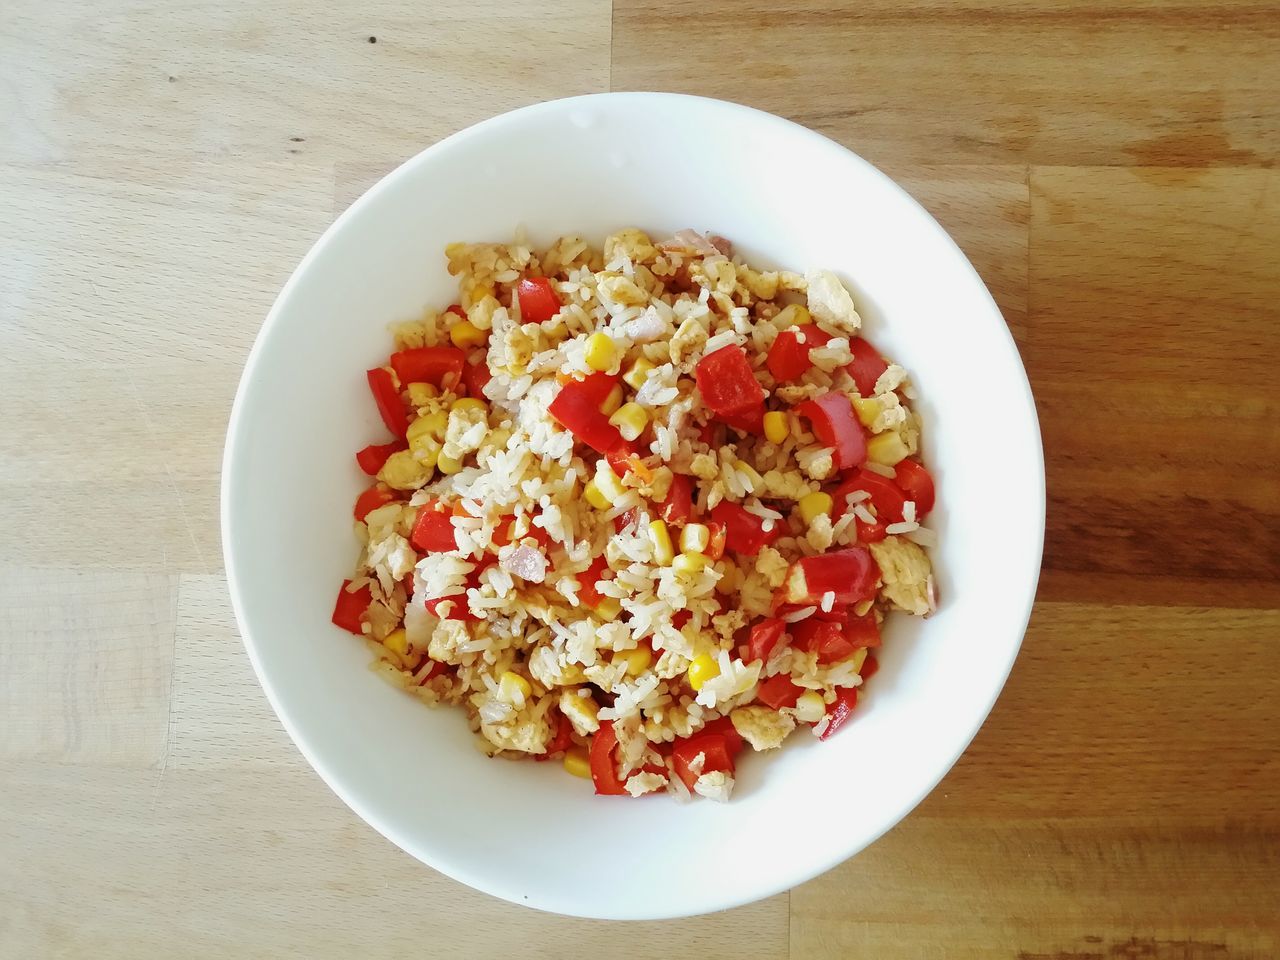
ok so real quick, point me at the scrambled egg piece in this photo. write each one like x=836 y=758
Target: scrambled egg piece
x=446 y=638
x=716 y=785
x=830 y=302
x=688 y=342
x=580 y=711
x=466 y=431
x=551 y=669
x=622 y=290
x=631 y=241
x=638 y=784
x=904 y=567
x=523 y=736
x=761 y=727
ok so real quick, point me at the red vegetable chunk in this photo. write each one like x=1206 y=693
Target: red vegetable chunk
x=885 y=495
x=727 y=382
x=372 y=457
x=778 y=692
x=604 y=767
x=744 y=532
x=387 y=397
x=439 y=366
x=850 y=574
x=763 y=639
x=833 y=421
x=867 y=365
x=840 y=711
x=677 y=508
x=712 y=746
x=433 y=530
x=350 y=607
x=789 y=355
x=538 y=300
x=916 y=483
x=588 y=579
x=475 y=376
x=577 y=408
x=371 y=500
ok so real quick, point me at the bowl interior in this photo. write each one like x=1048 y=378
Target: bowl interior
x=786 y=197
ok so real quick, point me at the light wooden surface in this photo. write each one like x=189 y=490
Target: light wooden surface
x=1108 y=167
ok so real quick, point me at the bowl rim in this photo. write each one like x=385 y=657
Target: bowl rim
x=459 y=871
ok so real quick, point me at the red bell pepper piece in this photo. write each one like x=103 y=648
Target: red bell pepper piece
x=456 y=310
x=836 y=426
x=712 y=433
x=561 y=740
x=778 y=692
x=869 y=667
x=458 y=609
x=588 y=579
x=723 y=727
x=850 y=574
x=886 y=496
x=371 y=500
x=677 y=508
x=433 y=530
x=763 y=639
x=914 y=481
x=577 y=408
x=440 y=366
x=387 y=397
x=604 y=768
x=744 y=532
x=715 y=540
x=789 y=355
x=372 y=457
x=750 y=422
x=869 y=532
x=867 y=365
x=839 y=712
x=626 y=519
x=712 y=746
x=538 y=300
x=475 y=376
x=727 y=383
x=822 y=637
x=862 y=631
x=351 y=607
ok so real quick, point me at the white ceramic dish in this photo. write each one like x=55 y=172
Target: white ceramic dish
x=528 y=832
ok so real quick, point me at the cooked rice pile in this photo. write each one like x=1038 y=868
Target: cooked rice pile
x=554 y=652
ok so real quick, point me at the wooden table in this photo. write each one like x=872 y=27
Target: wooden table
x=1108 y=167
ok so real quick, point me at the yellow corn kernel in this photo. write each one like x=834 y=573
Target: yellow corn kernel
x=577 y=762
x=600 y=353
x=690 y=564
x=695 y=538
x=397 y=641
x=866 y=409
x=607 y=483
x=813 y=506
x=464 y=333
x=793 y=315
x=886 y=448
x=497 y=439
x=447 y=465
x=608 y=608
x=638 y=373
x=514 y=688
x=403 y=471
x=663 y=552
x=749 y=474
x=702 y=668
x=776 y=426
x=613 y=401
x=858 y=659
x=595 y=497
x=422 y=393
x=637 y=660
x=810 y=707
x=469 y=403
x=630 y=419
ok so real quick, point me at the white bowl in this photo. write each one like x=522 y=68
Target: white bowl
x=527 y=832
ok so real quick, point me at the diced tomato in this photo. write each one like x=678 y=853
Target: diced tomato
x=836 y=426
x=723 y=727
x=839 y=712
x=715 y=541
x=604 y=767
x=914 y=481
x=713 y=748
x=763 y=639
x=869 y=532
x=372 y=457
x=867 y=365
x=778 y=692
x=433 y=530
x=538 y=300
x=862 y=631
x=750 y=422
x=623 y=461
x=577 y=408
x=387 y=397
x=744 y=532
x=588 y=579
x=372 y=499
x=351 y=607
x=822 y=637
x=886 y=496
x=849 y=574
x=440 y=366
x=869 y=667
x=561 y=740
x=475 y=376
x=458 y=609
x=727 y=383
x=677 y=508
x=712 y=433
x=789 y=355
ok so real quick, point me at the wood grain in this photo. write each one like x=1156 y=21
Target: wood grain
x=1107 y=167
